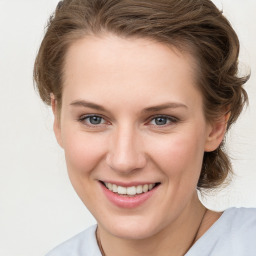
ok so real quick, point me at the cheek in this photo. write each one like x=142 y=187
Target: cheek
x=82 y=151
x=179 y=154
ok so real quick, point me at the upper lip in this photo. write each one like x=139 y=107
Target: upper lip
x=129 y=184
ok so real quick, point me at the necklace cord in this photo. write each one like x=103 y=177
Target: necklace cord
x=99 y=242
x=194 y=239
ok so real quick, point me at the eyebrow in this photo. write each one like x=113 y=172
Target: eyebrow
x=87 y=104
x=165 y=106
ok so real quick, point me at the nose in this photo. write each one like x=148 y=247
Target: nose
x=125 y=153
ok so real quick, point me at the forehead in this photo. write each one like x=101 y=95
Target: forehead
x=124 y=67
x=108 y=49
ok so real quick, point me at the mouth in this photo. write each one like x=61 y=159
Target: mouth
x=130 y=191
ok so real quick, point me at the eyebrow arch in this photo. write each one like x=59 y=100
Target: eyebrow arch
x=87 y=104
x=165 y=106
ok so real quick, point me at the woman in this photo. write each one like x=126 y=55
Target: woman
x=143 y=93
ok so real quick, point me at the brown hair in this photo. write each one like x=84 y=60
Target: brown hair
x=196 y=26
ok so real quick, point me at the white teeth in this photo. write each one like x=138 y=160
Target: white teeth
x=121 y=190
x=145 y=188
x=139 y=189
x=114 y=188
x=109 y=186
x=131 y=191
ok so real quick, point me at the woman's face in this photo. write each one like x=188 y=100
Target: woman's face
x=132 y=117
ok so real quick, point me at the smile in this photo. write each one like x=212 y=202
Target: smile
x=130 y=191
x=129 y=195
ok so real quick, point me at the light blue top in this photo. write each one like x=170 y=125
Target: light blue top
x=233 y=234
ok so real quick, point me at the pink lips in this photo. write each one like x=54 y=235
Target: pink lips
x=125 y=201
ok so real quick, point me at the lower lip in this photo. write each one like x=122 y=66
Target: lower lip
x=126 y=201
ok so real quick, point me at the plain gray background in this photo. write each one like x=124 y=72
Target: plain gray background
x=38 y=207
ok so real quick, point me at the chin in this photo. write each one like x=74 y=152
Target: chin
x=132 y=229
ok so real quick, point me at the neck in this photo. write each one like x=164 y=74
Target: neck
x=174 y=240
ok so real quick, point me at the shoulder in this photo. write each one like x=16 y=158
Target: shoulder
x=239 y=231
x=240 y=219
x=82 y=244
x=236 y=227
x=234 y=233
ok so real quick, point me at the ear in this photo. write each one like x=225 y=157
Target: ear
x=216 y=133
x=56 y=123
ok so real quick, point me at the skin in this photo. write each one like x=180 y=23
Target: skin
x=126 y=77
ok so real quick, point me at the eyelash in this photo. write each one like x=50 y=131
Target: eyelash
x=169 y=119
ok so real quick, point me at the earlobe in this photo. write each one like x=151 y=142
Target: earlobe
x=56 y=123
x=216 y=133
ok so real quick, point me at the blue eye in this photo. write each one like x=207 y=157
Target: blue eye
x=162 y=120
x=92 y=120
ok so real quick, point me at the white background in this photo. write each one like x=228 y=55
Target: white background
x=38 y=207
